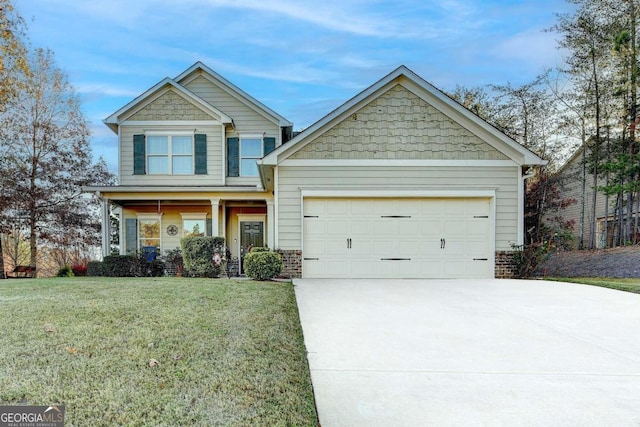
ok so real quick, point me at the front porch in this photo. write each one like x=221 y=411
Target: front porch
x=157 y=222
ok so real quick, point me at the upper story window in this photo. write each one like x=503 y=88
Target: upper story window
x=175 y=153
x=170 y=154
x=250 y=151
x=244 y=151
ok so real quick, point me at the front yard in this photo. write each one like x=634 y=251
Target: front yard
x=155 y=351
x=628 y=285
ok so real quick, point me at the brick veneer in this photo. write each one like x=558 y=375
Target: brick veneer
x=291 y=263
x=505 y=265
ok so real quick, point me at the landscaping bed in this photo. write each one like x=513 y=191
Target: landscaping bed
x=156 y=351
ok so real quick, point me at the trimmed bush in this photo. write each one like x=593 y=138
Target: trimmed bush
x=198 y=252
x=130 y=266
x=95 y=268
x=259 y=249
x=65 y=271
x=262 y=265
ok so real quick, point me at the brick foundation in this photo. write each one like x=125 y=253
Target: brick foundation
x=505 y=265
x=291 y=263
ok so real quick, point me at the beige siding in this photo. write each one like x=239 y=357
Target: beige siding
x=571 y=187
x=215 y=154
x=244 y=118
x=170 y=106
x=291 y=179
x=398 y=125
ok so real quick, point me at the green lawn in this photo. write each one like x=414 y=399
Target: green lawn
x=228 y=352
x=628 y=285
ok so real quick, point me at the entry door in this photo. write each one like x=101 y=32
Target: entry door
x=251 y=235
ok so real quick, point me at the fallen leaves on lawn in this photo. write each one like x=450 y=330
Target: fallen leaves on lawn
x=153 y=363
x=177 y=357
x=48 y=328
x=72 y=350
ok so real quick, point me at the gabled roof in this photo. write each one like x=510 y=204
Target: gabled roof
x=233 y=90
x=114 y=119
x=422 y=88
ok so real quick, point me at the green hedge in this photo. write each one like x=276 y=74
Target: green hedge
x=125 y=266
x=262 y=265
x=198 y=252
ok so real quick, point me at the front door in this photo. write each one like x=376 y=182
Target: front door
x=251 y=235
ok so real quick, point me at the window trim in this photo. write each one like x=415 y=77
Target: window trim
x=169 y=135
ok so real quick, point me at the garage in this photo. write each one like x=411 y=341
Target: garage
x=399 y=238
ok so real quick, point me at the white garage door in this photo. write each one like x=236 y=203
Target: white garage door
x=400 y=238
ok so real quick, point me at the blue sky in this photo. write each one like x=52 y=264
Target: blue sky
x=302 y=58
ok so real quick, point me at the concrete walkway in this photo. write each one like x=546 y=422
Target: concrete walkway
x=471 y=353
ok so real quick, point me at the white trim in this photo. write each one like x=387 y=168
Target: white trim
x=492 y=232
x=520 y=232
x=388 y=193
x=224 y=156
x=190 y=215
x=276 y=207
x=251 y=135
x=184 y=123
x=394 y=162
x=170 y=133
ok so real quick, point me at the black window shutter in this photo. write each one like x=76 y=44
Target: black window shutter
x=131 y=238
x=201 y=153
x=139 y=161
x=210 y=227
x=233 y=157
x=269 y=145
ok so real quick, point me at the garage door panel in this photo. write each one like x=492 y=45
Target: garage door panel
x=398 y=238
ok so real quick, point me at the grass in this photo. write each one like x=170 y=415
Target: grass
x=228 y=352
x=627 y=285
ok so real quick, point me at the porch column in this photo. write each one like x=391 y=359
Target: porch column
x=106 y=227
x=215 y=217
x=271 y=228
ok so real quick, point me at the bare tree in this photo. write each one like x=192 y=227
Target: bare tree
x=45 y=136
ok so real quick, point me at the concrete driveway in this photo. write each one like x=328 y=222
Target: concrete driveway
x=471 y=352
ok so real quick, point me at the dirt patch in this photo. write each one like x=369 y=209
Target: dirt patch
x=616 y=262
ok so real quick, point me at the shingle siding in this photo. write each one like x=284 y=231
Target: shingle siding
x=170 y=106
x=399 y=125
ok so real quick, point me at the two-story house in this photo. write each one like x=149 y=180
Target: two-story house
x=400 y=181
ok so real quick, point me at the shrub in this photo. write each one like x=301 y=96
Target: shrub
x=528 y=258
x=262 y=265
x=65 y=271
x=198 y=252
x=120 y=266
x=79 y=270
x=95 y=268
x=259 y=249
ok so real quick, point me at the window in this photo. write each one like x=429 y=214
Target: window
x=250 y=151
x=170 y=154
x=149 y=233
x=193 y=227
x=194 y=224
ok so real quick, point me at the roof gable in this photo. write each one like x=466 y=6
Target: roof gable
x=472 y=125
x=398 y=125
x=199 y=69
x=153 y=94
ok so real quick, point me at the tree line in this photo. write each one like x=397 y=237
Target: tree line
x=45 y=156
x=589 y=104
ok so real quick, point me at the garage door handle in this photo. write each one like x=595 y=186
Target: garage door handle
x=395 y=259
x=481 y=259
x=348 y=243
x=312 y=259
x=443 y=243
